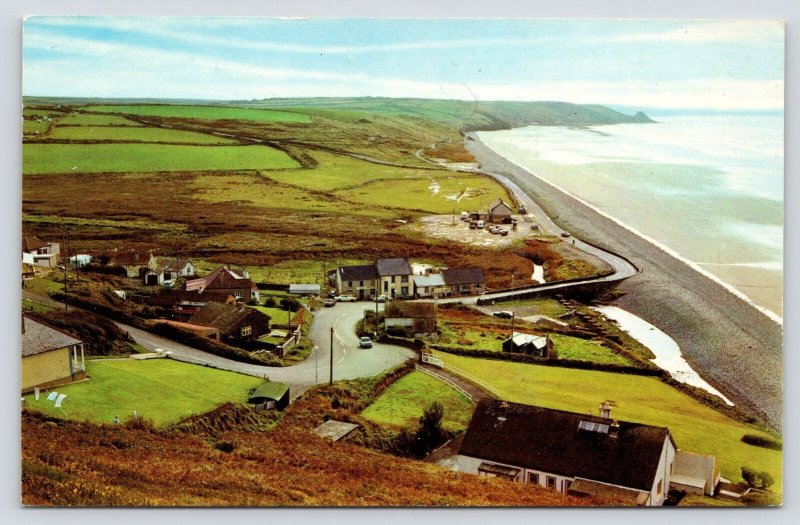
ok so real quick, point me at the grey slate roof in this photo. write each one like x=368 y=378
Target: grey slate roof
x=454 y=276
x=394 y=266
x=39 y=338
x=551 y=441
x=362 y=272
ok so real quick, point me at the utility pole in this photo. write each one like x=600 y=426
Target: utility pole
x=331 y=380
x=513 y=316
x=66 y=266
x=377 y=282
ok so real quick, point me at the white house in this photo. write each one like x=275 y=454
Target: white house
x=431 y=285
x=38 y=252
x=174 y=268
x=390 y=277
x=580 y=454
x=80 y=260
x=695 y=473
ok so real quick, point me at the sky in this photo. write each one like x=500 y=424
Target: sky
x=709 y=64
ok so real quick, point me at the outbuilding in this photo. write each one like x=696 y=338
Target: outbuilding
x=537 y=345
x=269 y=396
x=304 y=289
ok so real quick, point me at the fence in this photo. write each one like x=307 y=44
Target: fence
x=445 y=380
x=483 y=385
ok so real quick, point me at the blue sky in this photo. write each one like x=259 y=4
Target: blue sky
x=724 y=64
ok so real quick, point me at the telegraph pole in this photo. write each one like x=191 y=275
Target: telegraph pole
x=513 y=316
x=66 y=266
x=331 y=380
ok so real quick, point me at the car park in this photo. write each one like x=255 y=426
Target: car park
x=365 y=342
x=345 y=298
x=503 y=314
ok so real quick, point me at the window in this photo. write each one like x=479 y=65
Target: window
x=551 y=482
x=361 y=283
x=567 y=485
x=404 y=291
x=404 y=278
x=349 y=284
x=385 y=286
x=660 y=486
x=670 y=468
x=533 y=478
x=393 y=278
x=247 y=330
x=238 y=295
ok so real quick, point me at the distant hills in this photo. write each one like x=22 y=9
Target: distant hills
x=465 y=115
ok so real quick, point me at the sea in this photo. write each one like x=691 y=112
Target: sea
x=709 y=187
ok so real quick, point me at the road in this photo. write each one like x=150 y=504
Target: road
x=349 y=361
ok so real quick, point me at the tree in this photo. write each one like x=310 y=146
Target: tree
x=290 y=303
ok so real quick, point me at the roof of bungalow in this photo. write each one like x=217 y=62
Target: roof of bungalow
x=409 y=309
x=225 y=317
x=361 y=272
x=175 y=264
x=335 y=430
x=221 y=278
x=462 y=275
x=393 y=266
x=523 y=339
x=496 y=203
x=39 y=338
x=31 y=243
x=301 y=288
x=565 y=443
x=432 y=279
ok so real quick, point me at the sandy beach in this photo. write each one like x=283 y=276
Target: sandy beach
x=734 y=346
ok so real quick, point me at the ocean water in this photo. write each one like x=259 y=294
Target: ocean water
x=710 y=187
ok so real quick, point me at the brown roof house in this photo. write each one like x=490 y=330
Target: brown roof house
x=49 y=357
x=410 y=318
x=135 y=263
x=391 y=277
x=38 y=252
x=468 y=281
x=580 y=454
x=499 y=212
x=235 y=323
x=173 y=268
x=225 y=280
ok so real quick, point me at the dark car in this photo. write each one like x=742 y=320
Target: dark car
x=564 y=234
x=503 y=314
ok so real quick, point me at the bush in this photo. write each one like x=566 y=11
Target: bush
x=139 y=423
x=429 y=436
x=757 y=480
x=224 y=446
x=270 y=302
x=762 y=441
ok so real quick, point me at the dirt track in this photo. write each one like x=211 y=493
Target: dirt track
x=730 y=343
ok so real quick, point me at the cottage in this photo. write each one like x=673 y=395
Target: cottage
x=431 y=285
x=49 y=357
x=568 y=452
x=411 y=318
x=395 y=277
x=174 y=268
x=360 y=281
x=464 y=281
x=136 y=263
x=184 y=305
x=38 y=252
x=235 y=323
x=270 y=396
x=225 y=280
x=80 y=260
x=390 y=277
x=536 y=345
x=499 y=212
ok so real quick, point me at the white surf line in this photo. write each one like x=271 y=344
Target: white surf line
x=669 y=251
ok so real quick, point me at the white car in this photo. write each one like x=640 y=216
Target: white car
x=345 y=298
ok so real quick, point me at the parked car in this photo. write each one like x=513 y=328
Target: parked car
x=493 y=229
x=481 y=224
x=345 y=298
x=473 y=225
x=329 y=302
x=503 y=232
x=503 y=314
x=365 y=342
x=564 y=234
x=382 y=298
x=168 y=284
x=534 y=227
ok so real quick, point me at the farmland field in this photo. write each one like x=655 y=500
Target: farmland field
x=90 y=119
x=134 y=134
x=694 y=426
x=204 y=112
x=159 y=389
x=102 y=158
x=31 y=127
x=402 y=404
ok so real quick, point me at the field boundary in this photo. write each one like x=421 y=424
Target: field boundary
x=444 y=380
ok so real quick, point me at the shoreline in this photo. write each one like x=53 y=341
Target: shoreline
x=670 y=251
x=732 y=342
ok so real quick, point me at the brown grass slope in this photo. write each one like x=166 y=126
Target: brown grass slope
x=67 y=463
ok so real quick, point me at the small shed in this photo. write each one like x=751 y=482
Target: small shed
x=269 y=396
x=335 y=430
x=530 y=344
x=304 y=289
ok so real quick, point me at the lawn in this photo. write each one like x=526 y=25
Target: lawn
x=205 y=113
x=403 y=403
x=582 y=350
x=32 y=306
x=135 y=134
x=694 y=426
x=159 y=389
x=100 y=158
x=548 y=307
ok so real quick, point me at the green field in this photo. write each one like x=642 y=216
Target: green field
x=205 y=113
x=101 y=158
x=402 y=404
x=31 y=127
x=159 y=389
x=134 y=134
x=90 y=119
x=694 y=426
x=526 y=307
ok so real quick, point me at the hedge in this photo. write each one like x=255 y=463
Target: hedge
x=762 y=441
x=213 y=346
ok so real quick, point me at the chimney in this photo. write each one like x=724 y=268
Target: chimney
x=605 y=410
x=613 y=429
